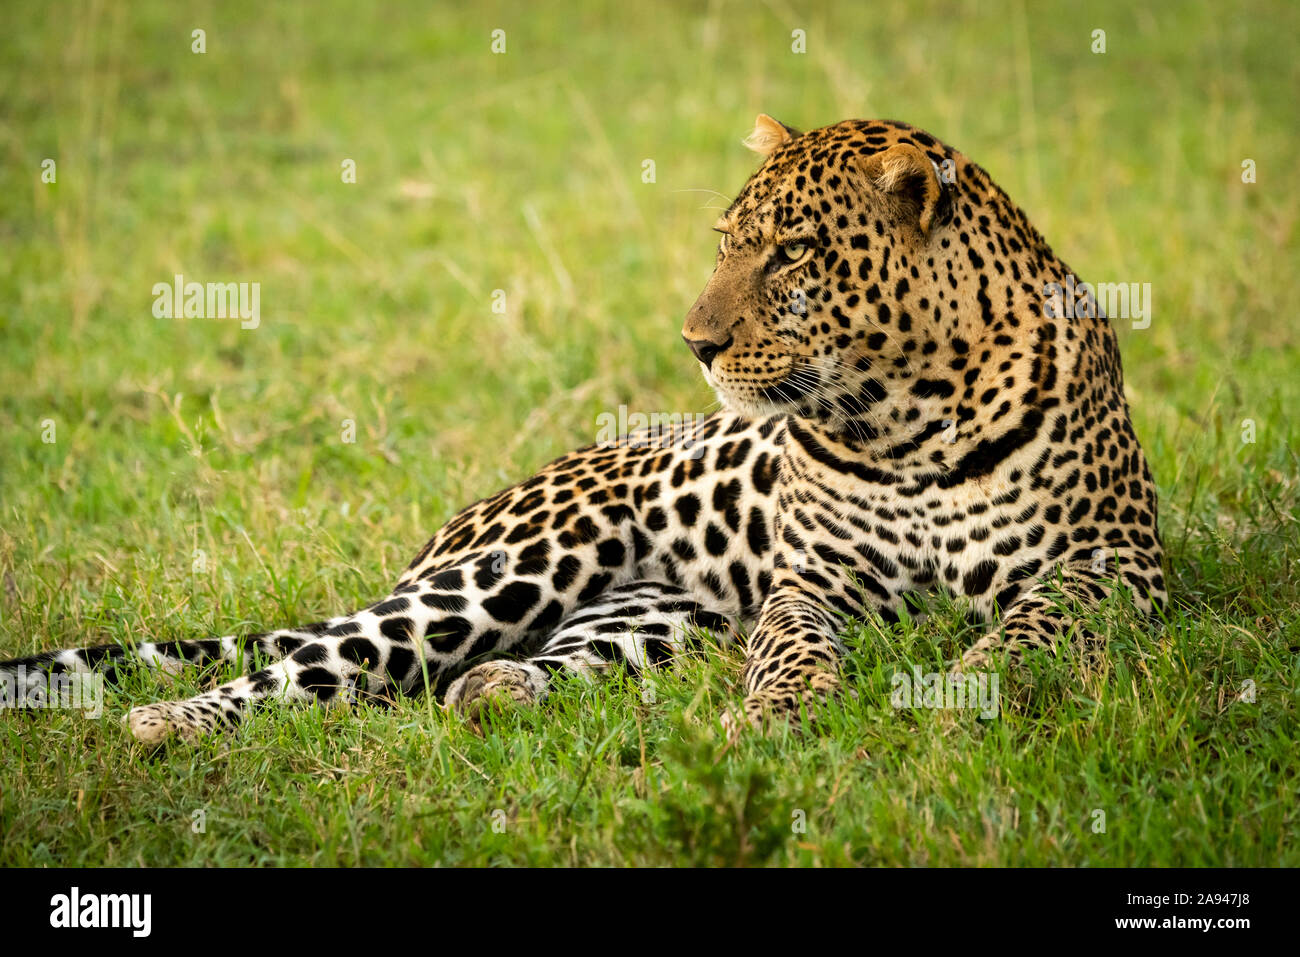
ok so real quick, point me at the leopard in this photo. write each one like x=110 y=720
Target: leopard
x=905 y=410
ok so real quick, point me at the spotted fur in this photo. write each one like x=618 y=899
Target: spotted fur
x=904 y=415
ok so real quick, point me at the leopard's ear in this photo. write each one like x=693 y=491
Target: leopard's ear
x=768 y=134
x=908 y=173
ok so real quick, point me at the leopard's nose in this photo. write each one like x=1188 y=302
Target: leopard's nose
x=706 y=351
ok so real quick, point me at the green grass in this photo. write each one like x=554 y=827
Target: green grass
x=523 y=172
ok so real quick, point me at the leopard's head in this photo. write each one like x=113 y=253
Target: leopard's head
x=839 y=276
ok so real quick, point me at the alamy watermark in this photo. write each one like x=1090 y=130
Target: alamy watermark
x=214 y=300
x=641 y=430
x=1114 y=300
x=20 y=688
x=131 y=912
x=974 y=691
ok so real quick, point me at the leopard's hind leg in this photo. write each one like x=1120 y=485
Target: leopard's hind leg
x=479 y=604
x=641 y=625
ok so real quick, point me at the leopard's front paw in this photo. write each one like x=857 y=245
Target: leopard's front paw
x=972 y=660
x=767 y=708
x=985 y=654
x=494 y=685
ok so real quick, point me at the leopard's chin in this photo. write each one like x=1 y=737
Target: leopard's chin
x=781 y=396
x=787 y=393
x=750 y=409
x=750 y=405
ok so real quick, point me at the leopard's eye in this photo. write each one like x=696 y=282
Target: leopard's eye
x=793 y=252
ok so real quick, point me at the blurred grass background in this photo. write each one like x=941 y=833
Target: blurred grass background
x=522 y=172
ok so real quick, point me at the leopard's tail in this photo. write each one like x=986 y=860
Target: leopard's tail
x=29 y=681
